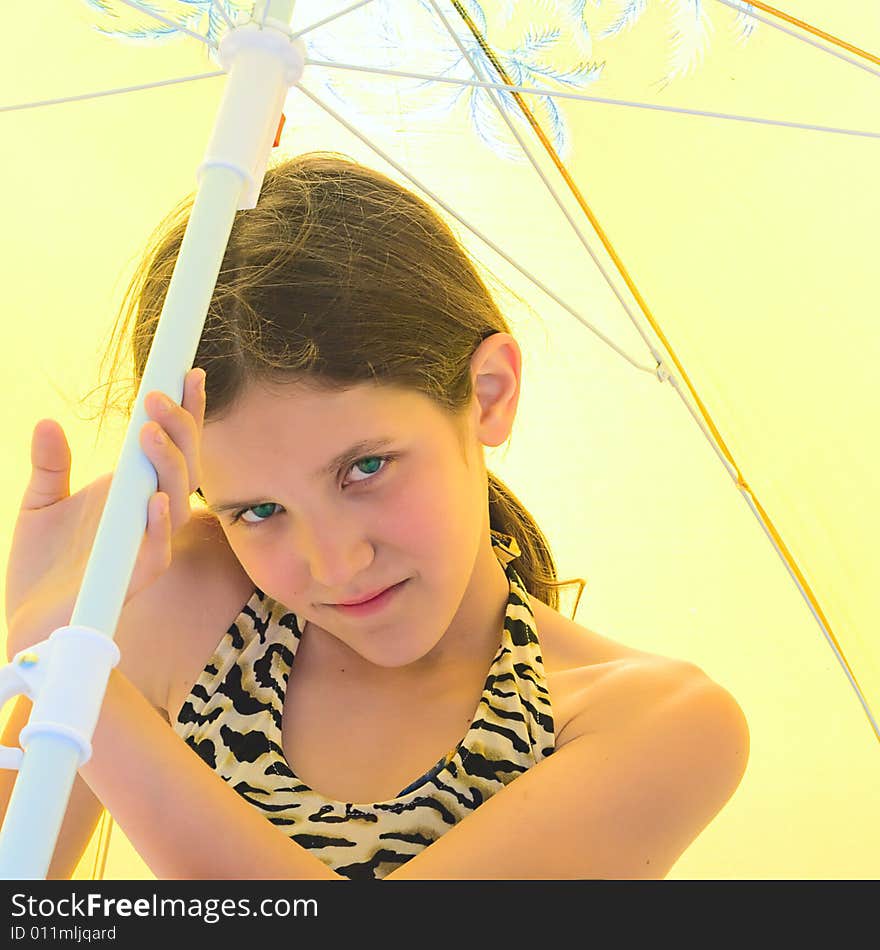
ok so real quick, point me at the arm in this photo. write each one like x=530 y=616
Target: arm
x=145 y=634
x=619 y=802
x=183 y=819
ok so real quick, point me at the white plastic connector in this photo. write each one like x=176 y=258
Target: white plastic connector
x=273 y=37
x=263 y=62
x=66 y=677
x=662 y=372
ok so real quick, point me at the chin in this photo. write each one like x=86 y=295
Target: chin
x=396 y=659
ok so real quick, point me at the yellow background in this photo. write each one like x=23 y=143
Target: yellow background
x=755 y=247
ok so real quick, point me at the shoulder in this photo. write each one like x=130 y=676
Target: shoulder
x=638 y=694
x=605 y=684
x=567 y=645
x=668 y=747
x=681 y=739
x=661 y=749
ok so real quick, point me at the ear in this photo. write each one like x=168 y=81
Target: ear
x=496 y=369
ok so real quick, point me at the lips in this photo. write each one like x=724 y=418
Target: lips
x=363 y=600
x=368 y=608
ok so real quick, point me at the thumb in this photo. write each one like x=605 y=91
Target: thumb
x=50 y=466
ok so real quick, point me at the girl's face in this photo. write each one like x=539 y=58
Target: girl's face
x=326 y=497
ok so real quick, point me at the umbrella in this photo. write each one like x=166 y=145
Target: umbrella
x=687 y=276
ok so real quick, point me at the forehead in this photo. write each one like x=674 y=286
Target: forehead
x=304 y=417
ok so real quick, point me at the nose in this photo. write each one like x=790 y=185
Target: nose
x=336 y=551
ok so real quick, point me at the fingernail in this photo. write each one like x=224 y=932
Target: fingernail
x=159 y=437
x=202 y=375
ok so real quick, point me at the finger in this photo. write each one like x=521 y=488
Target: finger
x=171 y=471
x=155 y=554
x=160 y=527
x=182 y=423
x=194 y=403
x=194 y=395
x=50 y=466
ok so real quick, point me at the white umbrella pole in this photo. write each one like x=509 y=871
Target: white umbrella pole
x=66 y=675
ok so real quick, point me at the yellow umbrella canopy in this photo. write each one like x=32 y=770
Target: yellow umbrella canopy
x=683 y=239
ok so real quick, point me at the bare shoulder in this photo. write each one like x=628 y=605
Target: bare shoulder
x=657 y=749
x=599 y=684
x=568 y=646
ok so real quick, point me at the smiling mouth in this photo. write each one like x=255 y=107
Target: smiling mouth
x=363 y=600
x=369 y=600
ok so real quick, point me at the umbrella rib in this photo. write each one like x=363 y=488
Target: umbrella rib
x=488 y=85
x=734 y=5
x=543 y=91
x=108 y=92
x=474 y=230
x=331 y=18
x=222 y=11
x=156 y=16
x=729 y=3
x=475 y=66
x=482 y=84
x=787 y=558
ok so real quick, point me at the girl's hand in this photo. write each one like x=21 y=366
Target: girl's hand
x=55 y=530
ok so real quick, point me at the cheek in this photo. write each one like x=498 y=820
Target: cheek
x=409 y=519
x=432 y=515
x=260 y=558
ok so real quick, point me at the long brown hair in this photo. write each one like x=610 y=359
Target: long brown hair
x=338 y=276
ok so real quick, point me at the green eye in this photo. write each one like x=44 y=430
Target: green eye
x=369 y=459
x=259 y=510
x=264 y=511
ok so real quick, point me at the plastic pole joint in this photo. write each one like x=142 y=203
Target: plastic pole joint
x=62 y=676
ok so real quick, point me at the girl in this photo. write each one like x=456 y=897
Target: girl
x=395 y=694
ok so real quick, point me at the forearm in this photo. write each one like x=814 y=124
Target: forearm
x=183 y=819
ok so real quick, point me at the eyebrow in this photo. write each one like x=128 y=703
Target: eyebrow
x=351 y=454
